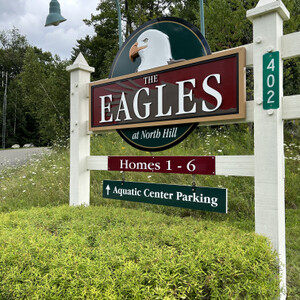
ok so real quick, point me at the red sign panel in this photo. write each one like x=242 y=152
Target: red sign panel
x=203 y=89
x=204 y=165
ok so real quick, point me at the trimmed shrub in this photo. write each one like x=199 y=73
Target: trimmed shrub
x=114 y=253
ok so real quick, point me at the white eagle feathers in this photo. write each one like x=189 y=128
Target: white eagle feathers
x=153 y=47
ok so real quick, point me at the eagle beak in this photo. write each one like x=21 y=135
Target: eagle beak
x=134 y=51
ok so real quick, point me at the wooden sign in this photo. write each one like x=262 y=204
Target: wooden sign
x=156 y=43
x=203 y=89
x=204 y=165
x=202 y=198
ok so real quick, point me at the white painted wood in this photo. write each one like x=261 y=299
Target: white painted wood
x=242 y=165
x=79 y=140
x=99 y=163
x=268 y=136
x=249 y=117
x=267 y=8
x=263 y=2
x=249 y=53
x=88 y=128
x=291 y=107
x=290 y=45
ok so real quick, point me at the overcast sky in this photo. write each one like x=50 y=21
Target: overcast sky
x=29 y=17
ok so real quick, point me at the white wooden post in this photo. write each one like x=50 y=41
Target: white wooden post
x=79 y=139
x=267 y=18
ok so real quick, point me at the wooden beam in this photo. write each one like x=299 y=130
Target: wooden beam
x=241 y=165
x=290 y=45
x=291 y=107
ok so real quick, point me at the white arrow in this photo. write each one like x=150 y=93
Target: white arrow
x=107 y=189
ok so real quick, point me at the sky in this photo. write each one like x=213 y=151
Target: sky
x=29 y=16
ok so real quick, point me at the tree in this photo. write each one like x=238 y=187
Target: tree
x=44 y=82
x=100 y=49
x=12 y=50
x=292 y=66
x=225 y=22
x=37 y=92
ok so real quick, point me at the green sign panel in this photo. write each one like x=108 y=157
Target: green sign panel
x=202 y=198
x=271 y=80
x=156 y=138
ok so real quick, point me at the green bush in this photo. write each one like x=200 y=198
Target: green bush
x=114 y=253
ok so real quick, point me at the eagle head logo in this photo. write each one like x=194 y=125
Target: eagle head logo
x=154 y=49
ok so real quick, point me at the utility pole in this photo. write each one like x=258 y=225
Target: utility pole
x=4 y=111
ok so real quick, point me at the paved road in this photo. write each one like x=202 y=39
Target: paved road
x=18 y=157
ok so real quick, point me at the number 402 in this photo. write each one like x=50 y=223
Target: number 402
x=271 y=80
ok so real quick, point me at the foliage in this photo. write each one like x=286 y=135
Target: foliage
x=100 y=49
x=45 y=183
x=226 y=25
x=105 y=253
x=13 y=46
x=44 y=82
x=12 y=51
x=37 y=94
x=293 y=253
